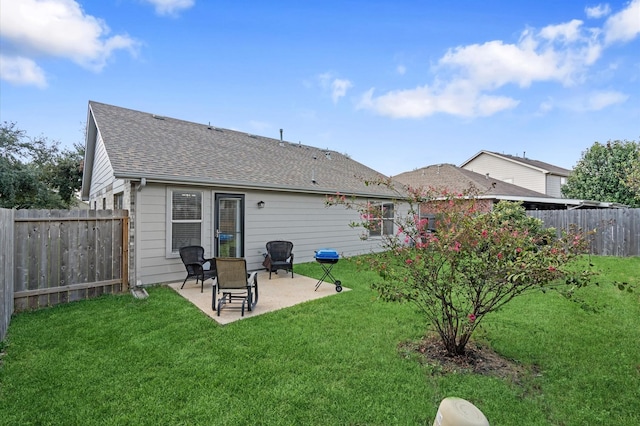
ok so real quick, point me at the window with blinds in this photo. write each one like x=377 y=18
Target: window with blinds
x=186 y=219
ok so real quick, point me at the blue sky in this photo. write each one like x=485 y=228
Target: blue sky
x=397 y=85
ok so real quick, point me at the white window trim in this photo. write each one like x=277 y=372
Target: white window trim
x=169 y=220
x=382 y=204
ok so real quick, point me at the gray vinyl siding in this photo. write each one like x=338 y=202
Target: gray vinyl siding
x=509 y=171
x=554 y=186
x=103 y=184
x=102 y=172
x=297 y=217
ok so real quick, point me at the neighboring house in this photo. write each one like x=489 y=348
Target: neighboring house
x=490 y=189
x=532 y=174
x=186 y=183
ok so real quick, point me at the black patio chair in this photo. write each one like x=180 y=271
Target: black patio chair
x=196 y=265
x=279 y=256
x=235 y=284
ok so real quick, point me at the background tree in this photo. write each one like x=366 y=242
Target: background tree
x=34 y=173
x=603 y=174
x=474 y=264
x=633 y=176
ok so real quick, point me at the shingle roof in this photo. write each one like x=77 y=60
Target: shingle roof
x=550 y=168
x=140 y=144
x=456 y=179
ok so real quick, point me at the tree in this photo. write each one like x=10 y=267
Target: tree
x=632 y=180
x=64 y=173
x=605 y=173
x=475 y=263
x=35 y=173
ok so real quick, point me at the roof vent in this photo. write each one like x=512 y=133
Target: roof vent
x=281 y=143
x=328 y=155
x=158 y=117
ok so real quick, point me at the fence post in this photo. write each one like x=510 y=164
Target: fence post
x=6 y=269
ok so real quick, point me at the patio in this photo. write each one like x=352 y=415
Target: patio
x=281 y=291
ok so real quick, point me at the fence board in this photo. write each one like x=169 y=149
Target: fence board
x=68 y=255
x=617 y=230
x=7 y=239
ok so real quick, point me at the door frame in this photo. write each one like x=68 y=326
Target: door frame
x=218 y=196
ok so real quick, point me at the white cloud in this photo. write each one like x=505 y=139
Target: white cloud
x=466 y=76
x=170 y=7
x=59 y=28
x=458 y=98
x=336 y=86
x=624 y=25
x=21 y=71
x=600 y=100
x=567 y=32
x=545 y=107
x=597 y=11
x=339 y=88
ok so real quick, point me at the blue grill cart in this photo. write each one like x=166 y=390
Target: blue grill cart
x=327 y=258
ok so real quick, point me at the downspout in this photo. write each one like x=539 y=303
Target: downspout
x=142 y=184
x=136 y=220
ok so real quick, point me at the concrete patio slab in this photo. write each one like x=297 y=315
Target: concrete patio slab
x=281 y=291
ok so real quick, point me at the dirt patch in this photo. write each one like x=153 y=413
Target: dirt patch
x=478 y=359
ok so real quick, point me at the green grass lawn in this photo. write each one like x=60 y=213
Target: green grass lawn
x=334 y=361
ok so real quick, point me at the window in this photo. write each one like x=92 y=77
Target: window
x=118 y=201
x=104 y=203
x=186 y=219
x=428 y=221
x=382 y=221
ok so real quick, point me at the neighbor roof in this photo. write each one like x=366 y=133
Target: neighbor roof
x=540 y=165
x=144 y=145
x=456 y=179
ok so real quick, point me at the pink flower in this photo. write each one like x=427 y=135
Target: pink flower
x=552 y=268
x=456 y=246
x=499 y=255
x=472 y=317
x=409 y=261
x=518 y=250
x=484 y=233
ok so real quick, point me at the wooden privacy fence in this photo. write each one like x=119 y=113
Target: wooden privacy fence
x=6 y=269
x=67 y=255
x=617 y=230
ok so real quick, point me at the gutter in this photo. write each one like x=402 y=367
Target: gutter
x=145 y=179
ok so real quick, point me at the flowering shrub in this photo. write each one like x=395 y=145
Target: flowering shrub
x=473 y=264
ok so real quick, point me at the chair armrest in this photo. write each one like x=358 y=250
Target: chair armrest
x=252 y=279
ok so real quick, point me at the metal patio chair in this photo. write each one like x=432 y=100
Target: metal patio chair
x=235 y=284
